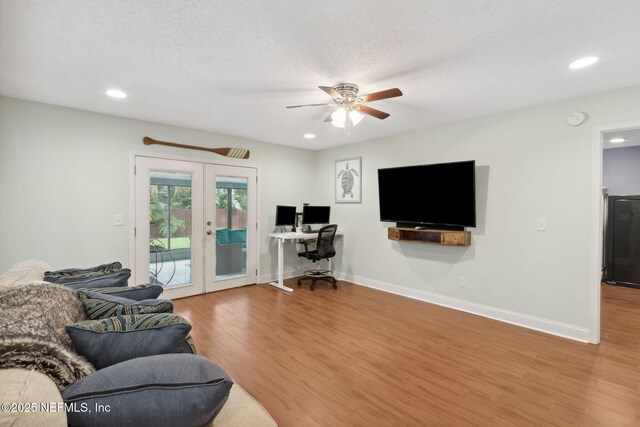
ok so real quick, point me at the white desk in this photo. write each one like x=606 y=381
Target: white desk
x=281 y=237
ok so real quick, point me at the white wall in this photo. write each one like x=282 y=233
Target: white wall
x=529 y=164
x=64 y=174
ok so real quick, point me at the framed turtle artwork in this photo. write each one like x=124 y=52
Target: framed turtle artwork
x=348 y=180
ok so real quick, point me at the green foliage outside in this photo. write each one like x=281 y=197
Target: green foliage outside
x=158 y=209
x=238 y=198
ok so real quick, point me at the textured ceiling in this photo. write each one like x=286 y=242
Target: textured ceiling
x=231 y=67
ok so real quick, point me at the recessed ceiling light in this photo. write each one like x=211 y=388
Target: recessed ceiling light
x=583 y=62
x=617 y=140
x=115 y=93
x=309 y=136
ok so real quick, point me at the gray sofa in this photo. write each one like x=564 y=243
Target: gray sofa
x=28 y=390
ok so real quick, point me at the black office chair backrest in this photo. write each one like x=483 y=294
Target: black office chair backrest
x=324 y=244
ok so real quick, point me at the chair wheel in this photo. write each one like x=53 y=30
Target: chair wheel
x=299 y=282
x=335 y=286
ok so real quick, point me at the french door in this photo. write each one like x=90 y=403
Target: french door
x=231 y=227
x=195 y=225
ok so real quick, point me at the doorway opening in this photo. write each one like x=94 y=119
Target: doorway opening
x=612 y=176
x=621 y=197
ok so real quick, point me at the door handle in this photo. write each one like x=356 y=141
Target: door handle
x=209 y=232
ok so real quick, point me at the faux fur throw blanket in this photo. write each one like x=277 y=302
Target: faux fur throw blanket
x=32 y=334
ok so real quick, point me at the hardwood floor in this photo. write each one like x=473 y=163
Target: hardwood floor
x=361 y=357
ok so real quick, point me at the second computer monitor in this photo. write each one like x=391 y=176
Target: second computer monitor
x=285 y=215
x=316 y=214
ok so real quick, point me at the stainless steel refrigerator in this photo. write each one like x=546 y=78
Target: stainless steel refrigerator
x=623 y=241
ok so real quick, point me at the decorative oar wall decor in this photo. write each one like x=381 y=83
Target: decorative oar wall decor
x=236 y=153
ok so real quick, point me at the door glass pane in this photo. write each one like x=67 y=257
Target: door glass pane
x=231 y=226
x=170 y=228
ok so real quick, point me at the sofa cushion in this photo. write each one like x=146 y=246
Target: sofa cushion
x=73 y=274
x=138 y=293
x=100 y=306
x=162 y=390
x=105 y=342
x=242 y=410
x=26 y=388
x=24 y=272
x=118 y=279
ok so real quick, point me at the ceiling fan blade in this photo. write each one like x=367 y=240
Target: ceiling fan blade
x=307 y=105
x=331 y=92
x=384 y=94
x=328 y=119
x=372 y=112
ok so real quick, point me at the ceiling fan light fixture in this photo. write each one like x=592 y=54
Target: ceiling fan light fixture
x=339 y=116
x=355 y=117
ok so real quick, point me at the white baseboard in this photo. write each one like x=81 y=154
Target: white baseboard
x=536 y=323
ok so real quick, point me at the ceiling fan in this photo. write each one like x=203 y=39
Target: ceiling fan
x=351 y=106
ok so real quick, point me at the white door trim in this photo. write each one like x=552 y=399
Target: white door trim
x=597 y=226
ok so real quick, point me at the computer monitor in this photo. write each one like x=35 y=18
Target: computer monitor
x=316 y=214
x=285 y=215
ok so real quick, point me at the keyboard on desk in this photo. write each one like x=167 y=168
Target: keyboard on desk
x=310 y=231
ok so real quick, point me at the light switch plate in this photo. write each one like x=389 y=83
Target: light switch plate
x=541 y=224
x=118 y=220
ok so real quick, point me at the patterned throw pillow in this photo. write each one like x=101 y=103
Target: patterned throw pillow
x=138 y=293
x=60 y=276
x=118 y=279
x=100 y=306
x=105 y=342
x=188 y=346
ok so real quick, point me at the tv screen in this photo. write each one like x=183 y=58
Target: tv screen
x=437 y=194
x=316 y=214
x=285 y=215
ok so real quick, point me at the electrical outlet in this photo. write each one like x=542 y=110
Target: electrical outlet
x=462 y=282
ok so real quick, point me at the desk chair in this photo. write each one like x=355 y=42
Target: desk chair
x=324 y=250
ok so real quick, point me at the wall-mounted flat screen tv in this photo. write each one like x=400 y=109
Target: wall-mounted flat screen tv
x=440 y=194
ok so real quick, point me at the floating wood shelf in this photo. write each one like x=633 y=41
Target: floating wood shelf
x=434 y=237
